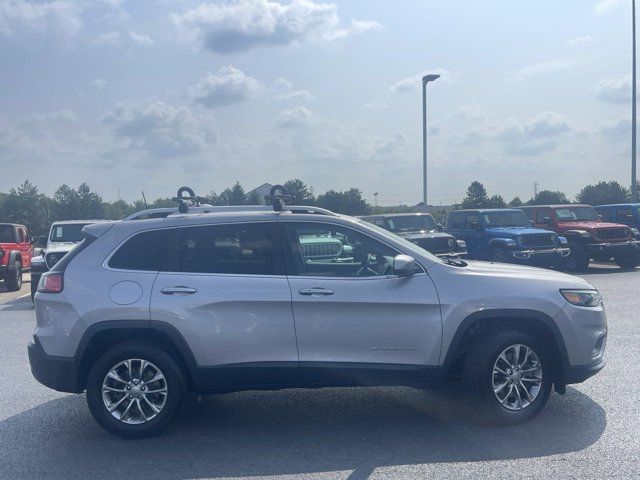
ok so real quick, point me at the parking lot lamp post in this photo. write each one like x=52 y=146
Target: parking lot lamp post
x=634 y=180
x=426 y=79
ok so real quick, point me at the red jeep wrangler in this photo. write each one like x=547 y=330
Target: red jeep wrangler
x=588 y=236
x=15 y=254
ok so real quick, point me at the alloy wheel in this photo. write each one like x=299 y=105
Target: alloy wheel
x=517 y=377
x=134 y=391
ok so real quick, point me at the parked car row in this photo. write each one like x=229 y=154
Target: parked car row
x=554 y=236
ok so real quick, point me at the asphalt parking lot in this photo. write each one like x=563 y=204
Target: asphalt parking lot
x=377 y=433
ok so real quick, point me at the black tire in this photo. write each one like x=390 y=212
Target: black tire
x=578 y=259
x=35 y=279
x=13 y=280
x=175 y=385
x=498 y=255
x=628 y=262
x=477 y=376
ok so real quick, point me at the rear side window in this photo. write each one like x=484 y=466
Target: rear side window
x=143 y=251
x=245 y=249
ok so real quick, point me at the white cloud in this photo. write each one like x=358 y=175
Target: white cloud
x=293 y=118
x=228 y=85
x=615 y=90
x=161 y=129
x=543 y=68
x=21 y=17
x=285 y=92
x=242 y=25
x=583 y=40
x=619 y=131
x=64 y=115
x=535 y=135
x=141 y=38
x=107 y=39
x=98 y=83
x=413 y=83
x=603 y=6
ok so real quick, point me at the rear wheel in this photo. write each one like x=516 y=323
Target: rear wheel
x=578 y=259
x=13 y=280
x=134 y=390
x=508 y=376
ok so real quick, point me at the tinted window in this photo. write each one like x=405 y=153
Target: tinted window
x=144 y=251
x=410 y=223
x=334 y=251
x=541 y=215
x=506 y=219
x=577 y=214
x=71 y=232
x=455 y=220
x=237 y=249
x=6 y=234
x=471 y=220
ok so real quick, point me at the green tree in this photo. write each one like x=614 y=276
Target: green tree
x=476 y=196
x=547 y=197
x=603 y=193
x=496 y=201
x=117 y=210
x=254 y=199
x=27 y=206
x=516 y=202
x=349 y=202
x=302 y=195
x=89 y=203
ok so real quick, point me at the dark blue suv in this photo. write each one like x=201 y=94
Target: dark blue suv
x=625 y=213
x=506 y=235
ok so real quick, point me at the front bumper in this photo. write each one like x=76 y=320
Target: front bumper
x=544 y=254
x=613 y=249
x=58 y=373
x=579 y=373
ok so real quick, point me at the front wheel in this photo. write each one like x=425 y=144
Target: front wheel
x=13 y=280
x=578 y=259
x=134 y=390
x=498 y=255
x=508 y=376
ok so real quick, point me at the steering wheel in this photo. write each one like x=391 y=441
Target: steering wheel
x=365 y=270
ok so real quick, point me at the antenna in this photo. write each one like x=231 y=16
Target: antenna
x=277 y=199
x=144 y=199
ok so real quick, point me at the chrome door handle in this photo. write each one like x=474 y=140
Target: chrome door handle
x=179 y=289
x=315 y=291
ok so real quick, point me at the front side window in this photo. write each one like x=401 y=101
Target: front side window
x=455 y=220
x=6 y=234
x=246 y=249
x=144 y=251
x=67 y=232
x=472 y=221
x=324 y=250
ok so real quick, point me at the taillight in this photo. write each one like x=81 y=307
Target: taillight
x=51 y=282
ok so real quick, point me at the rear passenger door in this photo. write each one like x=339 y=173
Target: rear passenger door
x=224 y=289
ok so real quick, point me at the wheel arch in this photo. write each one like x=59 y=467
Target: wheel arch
x=14 y=256
x=102 y=336
x=476 y=324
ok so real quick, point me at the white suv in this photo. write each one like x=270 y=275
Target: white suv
x=143 y=311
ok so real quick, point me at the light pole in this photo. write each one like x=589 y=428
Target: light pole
x=426 y=79
x=634 y=181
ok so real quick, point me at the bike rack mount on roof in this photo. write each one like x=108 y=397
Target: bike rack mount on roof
x=277 y=199
x=189 y=201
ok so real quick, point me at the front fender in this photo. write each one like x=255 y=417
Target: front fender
x=500 y=243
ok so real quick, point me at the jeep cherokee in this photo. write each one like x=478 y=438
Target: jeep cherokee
x=139 y=313
x=506 y=235
x=421 y=229
x=588 y=236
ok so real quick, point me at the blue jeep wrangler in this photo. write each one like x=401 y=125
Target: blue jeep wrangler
x=624 y=213
x=506 y=235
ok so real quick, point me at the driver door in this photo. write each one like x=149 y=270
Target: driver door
x=351 y=314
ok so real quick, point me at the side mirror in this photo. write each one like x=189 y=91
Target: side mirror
x=404 y=265
x=531 y=223
x=439 y=227
x=600 y=217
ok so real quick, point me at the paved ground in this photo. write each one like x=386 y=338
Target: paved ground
x=8 y=296
x=381 y=433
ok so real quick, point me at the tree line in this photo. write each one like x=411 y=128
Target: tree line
x=28 y=206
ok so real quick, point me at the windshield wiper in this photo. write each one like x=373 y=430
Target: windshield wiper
x=456 y=262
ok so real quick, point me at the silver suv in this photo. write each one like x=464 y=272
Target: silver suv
x=142 y=312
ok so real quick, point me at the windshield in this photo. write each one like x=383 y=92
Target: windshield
x=506 y=219
x=71 y=232
x=6 y=234
x=410 y=246
x=410 y=223
x=577 y=214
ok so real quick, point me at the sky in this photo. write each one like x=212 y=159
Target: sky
x=131 y=95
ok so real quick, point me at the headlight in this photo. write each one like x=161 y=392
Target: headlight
x=584 y=234
x=451 y=242
x=461 y=244
x=582 y=298
x=635 y=232
x=510 y=243
x=562 y=240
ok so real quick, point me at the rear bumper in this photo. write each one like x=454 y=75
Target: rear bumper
x=58 y=373
x=579 y=373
